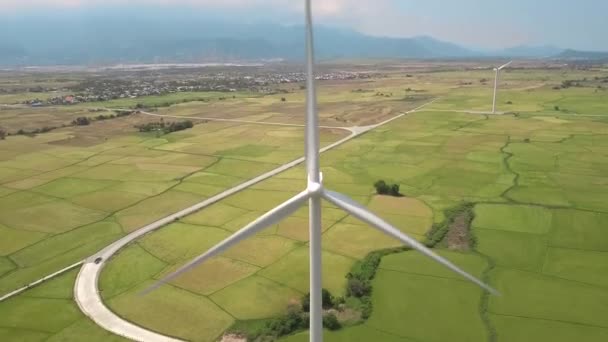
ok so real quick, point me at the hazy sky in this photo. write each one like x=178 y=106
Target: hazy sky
x=578 y=24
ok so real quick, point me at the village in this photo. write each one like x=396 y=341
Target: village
x=106 y=89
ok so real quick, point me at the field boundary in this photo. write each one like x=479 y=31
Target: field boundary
x=40 y=281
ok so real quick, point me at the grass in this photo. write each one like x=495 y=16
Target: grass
x=48 y=313
x=215 y=275
x=15 y=239
x=175 y=312
x=516 y=250
x=537 y=181
x=55 y=188
x=524 y=219
x=526 y=294
x=129 y=268
x=293 y=271
x=255 y=298
x=579 y=229
x=582 y=266
x=170 y=246
x=519 y=329
x=456 y=309
x=54 y=246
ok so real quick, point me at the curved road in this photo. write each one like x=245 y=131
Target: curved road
x=86 y=291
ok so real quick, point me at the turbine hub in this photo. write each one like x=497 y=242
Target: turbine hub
x=315 y=188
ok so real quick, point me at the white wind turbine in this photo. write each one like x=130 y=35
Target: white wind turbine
x=313 y=194
x=497 y=70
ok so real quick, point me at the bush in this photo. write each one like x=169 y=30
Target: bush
x=330 y=321
x=439 y=230
x=395 y=190
x=81 y=121
x=382 y=188
x=366 y=307
x=164 y=127
x=2 y=134
x=285 y=325
x=327 y=299
x=556 y=108
x=356 y=287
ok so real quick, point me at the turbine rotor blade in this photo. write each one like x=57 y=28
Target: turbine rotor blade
x=312 y=118
x=504 y=66
x=271 y=217
x=373 y=220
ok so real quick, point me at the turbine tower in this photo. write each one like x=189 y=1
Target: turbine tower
x=313 y=194
x=497 y=70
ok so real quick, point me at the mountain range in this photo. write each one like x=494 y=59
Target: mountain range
x=100 y=39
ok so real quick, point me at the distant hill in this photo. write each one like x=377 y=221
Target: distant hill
x=94 y=38
x=583 y=55
x=527 y=51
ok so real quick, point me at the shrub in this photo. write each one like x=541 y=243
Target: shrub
x=366 y=307
x=2 y=134
x=395 y=190
x=556 y=108
x=326 y=297
x=165 y=127
x=81 y=121
x=356 y=287
x=330 y=321
x=285 y=325
x=381 y=187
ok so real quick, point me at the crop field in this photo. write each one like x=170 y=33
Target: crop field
x=48 y=313
x=536 y=177
x=61 y=202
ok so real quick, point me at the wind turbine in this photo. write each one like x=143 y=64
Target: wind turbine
x=313 y=194
x=497 y=70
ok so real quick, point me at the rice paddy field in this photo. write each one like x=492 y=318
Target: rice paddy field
x=536 y=176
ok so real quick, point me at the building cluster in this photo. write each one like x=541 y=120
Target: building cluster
x=99 y=90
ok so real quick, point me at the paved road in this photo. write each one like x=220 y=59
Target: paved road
x=86 y=291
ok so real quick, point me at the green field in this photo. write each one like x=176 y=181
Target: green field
x=537 y=178
x=62 y=200
x=48 y=313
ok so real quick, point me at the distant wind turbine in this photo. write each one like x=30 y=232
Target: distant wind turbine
x=313 y=194
x=497 y=70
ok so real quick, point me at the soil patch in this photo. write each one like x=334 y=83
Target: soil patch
x=458 y=237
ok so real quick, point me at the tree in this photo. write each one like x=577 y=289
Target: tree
x=381 y=187
x=2 y=134
x=287 y=324
x=395 y=190
x=358 y=288
x=326 y=297
x=330 y=321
